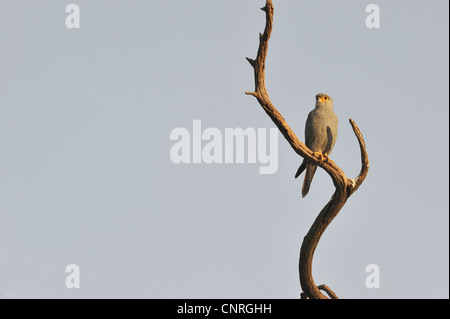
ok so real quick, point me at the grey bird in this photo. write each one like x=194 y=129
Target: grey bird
x=320 y=136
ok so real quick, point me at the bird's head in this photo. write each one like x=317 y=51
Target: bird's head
x=324 y=100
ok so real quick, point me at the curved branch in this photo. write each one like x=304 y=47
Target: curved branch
x=329 y=292
x=345 y=187
x=364 y=159
x=325 y=288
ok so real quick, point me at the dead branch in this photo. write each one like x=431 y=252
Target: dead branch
x=345 y=187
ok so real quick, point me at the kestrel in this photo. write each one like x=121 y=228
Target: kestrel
x=320 y=135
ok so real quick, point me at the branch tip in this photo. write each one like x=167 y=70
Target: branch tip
x=251 y=61
x=252 y=94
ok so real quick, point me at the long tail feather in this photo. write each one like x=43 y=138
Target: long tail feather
x=300 y=169
x=310 y=171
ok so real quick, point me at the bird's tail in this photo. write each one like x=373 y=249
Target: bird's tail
x=300 y=169
x=310 y=171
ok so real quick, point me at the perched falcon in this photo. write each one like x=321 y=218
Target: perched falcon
x=320 y=136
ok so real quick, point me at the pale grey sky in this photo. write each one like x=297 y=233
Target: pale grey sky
x=86 y=177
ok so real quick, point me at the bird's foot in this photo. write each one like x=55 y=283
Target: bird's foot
x=327 y=159
x=323 y=157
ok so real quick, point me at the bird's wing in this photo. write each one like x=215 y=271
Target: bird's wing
x=309 y=133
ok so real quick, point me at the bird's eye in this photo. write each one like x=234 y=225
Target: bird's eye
x=325 y=98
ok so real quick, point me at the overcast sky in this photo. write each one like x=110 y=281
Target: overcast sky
x=86 y=176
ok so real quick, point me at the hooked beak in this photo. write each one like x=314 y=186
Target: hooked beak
x=319 y=100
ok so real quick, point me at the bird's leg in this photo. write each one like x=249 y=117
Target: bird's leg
x=319 y=155
x=327 y=159
x=323 y=157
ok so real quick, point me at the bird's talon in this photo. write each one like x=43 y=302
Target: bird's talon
x=323 y=157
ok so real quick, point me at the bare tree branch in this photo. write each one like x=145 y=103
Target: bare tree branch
x=345 y=187
x=329 y=292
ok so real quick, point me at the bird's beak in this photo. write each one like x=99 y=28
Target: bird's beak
x=319 y=100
